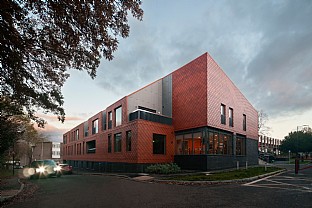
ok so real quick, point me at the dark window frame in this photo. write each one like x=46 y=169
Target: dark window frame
x=118 y=142
x=116 y=116
x=231 y=117
x=110 y=119
x=223 y=114
x=128 y=140
x=159 y=147
x=109 y=143
x=244 y=122
x=95 y=130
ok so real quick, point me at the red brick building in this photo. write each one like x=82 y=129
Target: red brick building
x=194 y=116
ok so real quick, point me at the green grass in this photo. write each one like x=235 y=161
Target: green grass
x=5 y=173
x=229 y=175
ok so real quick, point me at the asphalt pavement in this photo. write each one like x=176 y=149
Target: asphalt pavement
x=87 y=190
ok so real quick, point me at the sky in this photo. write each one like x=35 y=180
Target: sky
x=265 y=47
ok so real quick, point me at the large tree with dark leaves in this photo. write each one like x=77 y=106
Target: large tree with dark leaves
x=41 y=40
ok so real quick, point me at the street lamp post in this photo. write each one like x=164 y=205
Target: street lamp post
x=289 y=156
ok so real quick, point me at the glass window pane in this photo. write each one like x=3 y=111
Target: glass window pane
x=118 y=116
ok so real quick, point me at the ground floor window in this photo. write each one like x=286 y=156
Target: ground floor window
x=159 y=142
x=204 y=141
x=128 y=140
x=240 y=145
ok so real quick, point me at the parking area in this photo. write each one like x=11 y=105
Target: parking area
x=301 y=182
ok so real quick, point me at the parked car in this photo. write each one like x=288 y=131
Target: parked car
x=267 y=157
x=66 y=169
x=44 y=168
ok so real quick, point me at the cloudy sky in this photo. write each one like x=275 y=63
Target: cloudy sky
x=265 y=47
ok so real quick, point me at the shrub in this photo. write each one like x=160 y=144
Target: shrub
x=167 y=168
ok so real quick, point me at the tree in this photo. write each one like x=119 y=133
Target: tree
x=300 y=141
x=41 y=40
x=263 y=118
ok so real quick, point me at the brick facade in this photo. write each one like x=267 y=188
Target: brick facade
x=198 y=90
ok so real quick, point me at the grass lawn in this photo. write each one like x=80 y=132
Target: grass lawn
x=229 y=175
x=5 y=173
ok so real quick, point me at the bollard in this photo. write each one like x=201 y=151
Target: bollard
x=237 y=165
x=246 y=165
x=296 y=166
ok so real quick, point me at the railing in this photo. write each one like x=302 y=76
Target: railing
x=139 y=114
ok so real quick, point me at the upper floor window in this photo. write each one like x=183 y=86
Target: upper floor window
x=244 y=122
x=86 y=128
x=95 y=126
x=118 y=116
x=104 y=120
x=77 y=134
x=231 y=123
x=222 y=114
x=110 y=119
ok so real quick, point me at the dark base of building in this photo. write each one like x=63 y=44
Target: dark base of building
x=108 y=166
x=219 y=162
x=185 y=162
x=212 y=162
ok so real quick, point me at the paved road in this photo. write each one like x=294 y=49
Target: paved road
x=110 y=191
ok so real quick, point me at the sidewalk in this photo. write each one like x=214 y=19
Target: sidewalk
x=10 y=187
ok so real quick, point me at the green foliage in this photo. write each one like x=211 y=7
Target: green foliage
x=168 y=168
x=229 y=175
x=41 y=40
x=297 y=142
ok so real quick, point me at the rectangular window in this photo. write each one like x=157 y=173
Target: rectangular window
x=159 y=142
x=90 y=146
x=109 y=143
x=244 y=122
x=110 y=119
x=222 y=114
x=86 y=128
x=104 y=120
x=77 y=134
x=231 y=117
x=128 y=140
x=240 y=145
x=118 y=116
x=95 y=126
x=117 y=142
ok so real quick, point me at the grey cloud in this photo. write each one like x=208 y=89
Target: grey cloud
x=263 y=46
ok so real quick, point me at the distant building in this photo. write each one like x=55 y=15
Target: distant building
x=56 y=150
x=195 y=117
x=269 y=145
x=47 y=150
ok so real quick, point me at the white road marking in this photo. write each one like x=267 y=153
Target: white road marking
x=276 y=183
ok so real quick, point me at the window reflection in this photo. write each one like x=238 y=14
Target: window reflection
x=196 y=144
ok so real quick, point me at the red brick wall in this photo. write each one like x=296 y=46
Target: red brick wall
x=145 y=142
x=142 y=140
x=189 y=94
x=222 y=90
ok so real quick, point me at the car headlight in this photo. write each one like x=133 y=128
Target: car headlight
x=40 y=170
x=57 y=168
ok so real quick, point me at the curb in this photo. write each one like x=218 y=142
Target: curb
x=4 y=199
x=218 y=182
